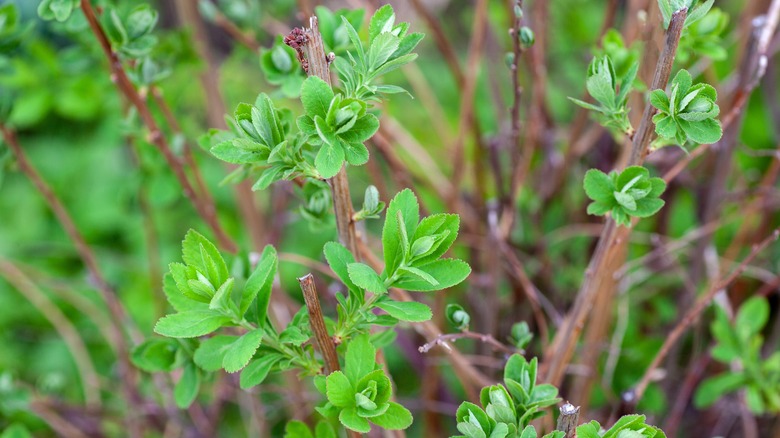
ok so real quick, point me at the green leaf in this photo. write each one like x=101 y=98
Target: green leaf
x=211 y=353
x=329 y=160
x=382 y=21
x=324 y=430
x=713 y=388
x=703 y=132
x=240 y=151
x=297 y=429
x=190 y=324
x=448 y=272
x=665 y=127
x=140 y=21
x=155 y=355
x=364 y=128
x=339 y=258
x=316 y=96
x=200 y=253
x=360 y=358
x=259 y=285
x=356 y=154
x=528 y=432
x=588 y=430
x=339 y=390
x=407 y=310
x=16 y=430
x=396 y=417
x=647 y=207
x=382 y=47
x=625 y=200
x=406 y=203
x=437 y=224
x=598 y=186
x=366 y=278
x=659 y=100
x=223 y=298
x=350 y=419
x=187 y=387
x=242 y=350
x=258 y=369
x=752 y=317
x=598 y=208
x=457 y=316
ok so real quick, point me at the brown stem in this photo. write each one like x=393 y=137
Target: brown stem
x=693 y=314
x=122 y=81
x=339 y=184
x=234 y=31
x=598 y=273
x=127 y=373
x=567 y=422
x=324 y=341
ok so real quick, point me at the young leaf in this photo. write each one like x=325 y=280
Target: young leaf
x=187 y=387
x=339 y=390
x=366 y=278
x=242 y=351
x=360 y=358
x=190 y=324
x=396 y=417
x=339 y=258
x=407 y=310
x=351 y=420
x=258 y=369
x=406 y=203
x=447 y=272
x=259 y=284
x=316 y=96
x=155 y=355
x=211 y=353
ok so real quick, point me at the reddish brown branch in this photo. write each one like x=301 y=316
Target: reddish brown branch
x=324 y=341
x=693 y=314
x=451 y=337
x=126 y=87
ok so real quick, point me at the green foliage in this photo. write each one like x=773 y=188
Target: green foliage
x=338 y=125
x=59 y=10
x=11 y=30
x=130 y=33
x=372 y=206
x=631 y=192
x=633 y=426
x=739 y=344
x=508 y=409
x=610 y=93
x=280 y=67
x=703 y=38
x=457 y=316
x=360 y=395
x=299 y=429
x=688 y=113
x=389 y=47
x=696 y=10
x=334 y=31
x=623 y=58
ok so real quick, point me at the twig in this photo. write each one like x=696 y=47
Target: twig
x=693 y=314
x=90 y=381
x=122 y=81
x=598 y=269
x=119 y=317
x=567 y=422
x=324 y=341
x=234 y=31
x=317 y=65
x=450 y=337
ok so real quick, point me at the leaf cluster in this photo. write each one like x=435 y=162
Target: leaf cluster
x=338 y=125
x=704 y=37
x=360 y=395
x=688 y=112
x=630 y=193
x=260 y=140
x=508 y=409
x=59 y=10
x=628 y=426
x=739 y=342
x=389 y=47
x=11 y=30
x=281 y=69
x=610 y=93
x=334 y=31
x=130 y=32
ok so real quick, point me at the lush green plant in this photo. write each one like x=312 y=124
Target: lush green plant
x=688 y=113
x=611 y=93
x=630 y=193
x=739 y=345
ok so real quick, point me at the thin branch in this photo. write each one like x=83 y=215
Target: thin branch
x=119 y=317
x=122 y=81
x=559 y=355
x=90 y=382
x=693 y=314
x=567 y=422
x=442 y=340
x=324 y=341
